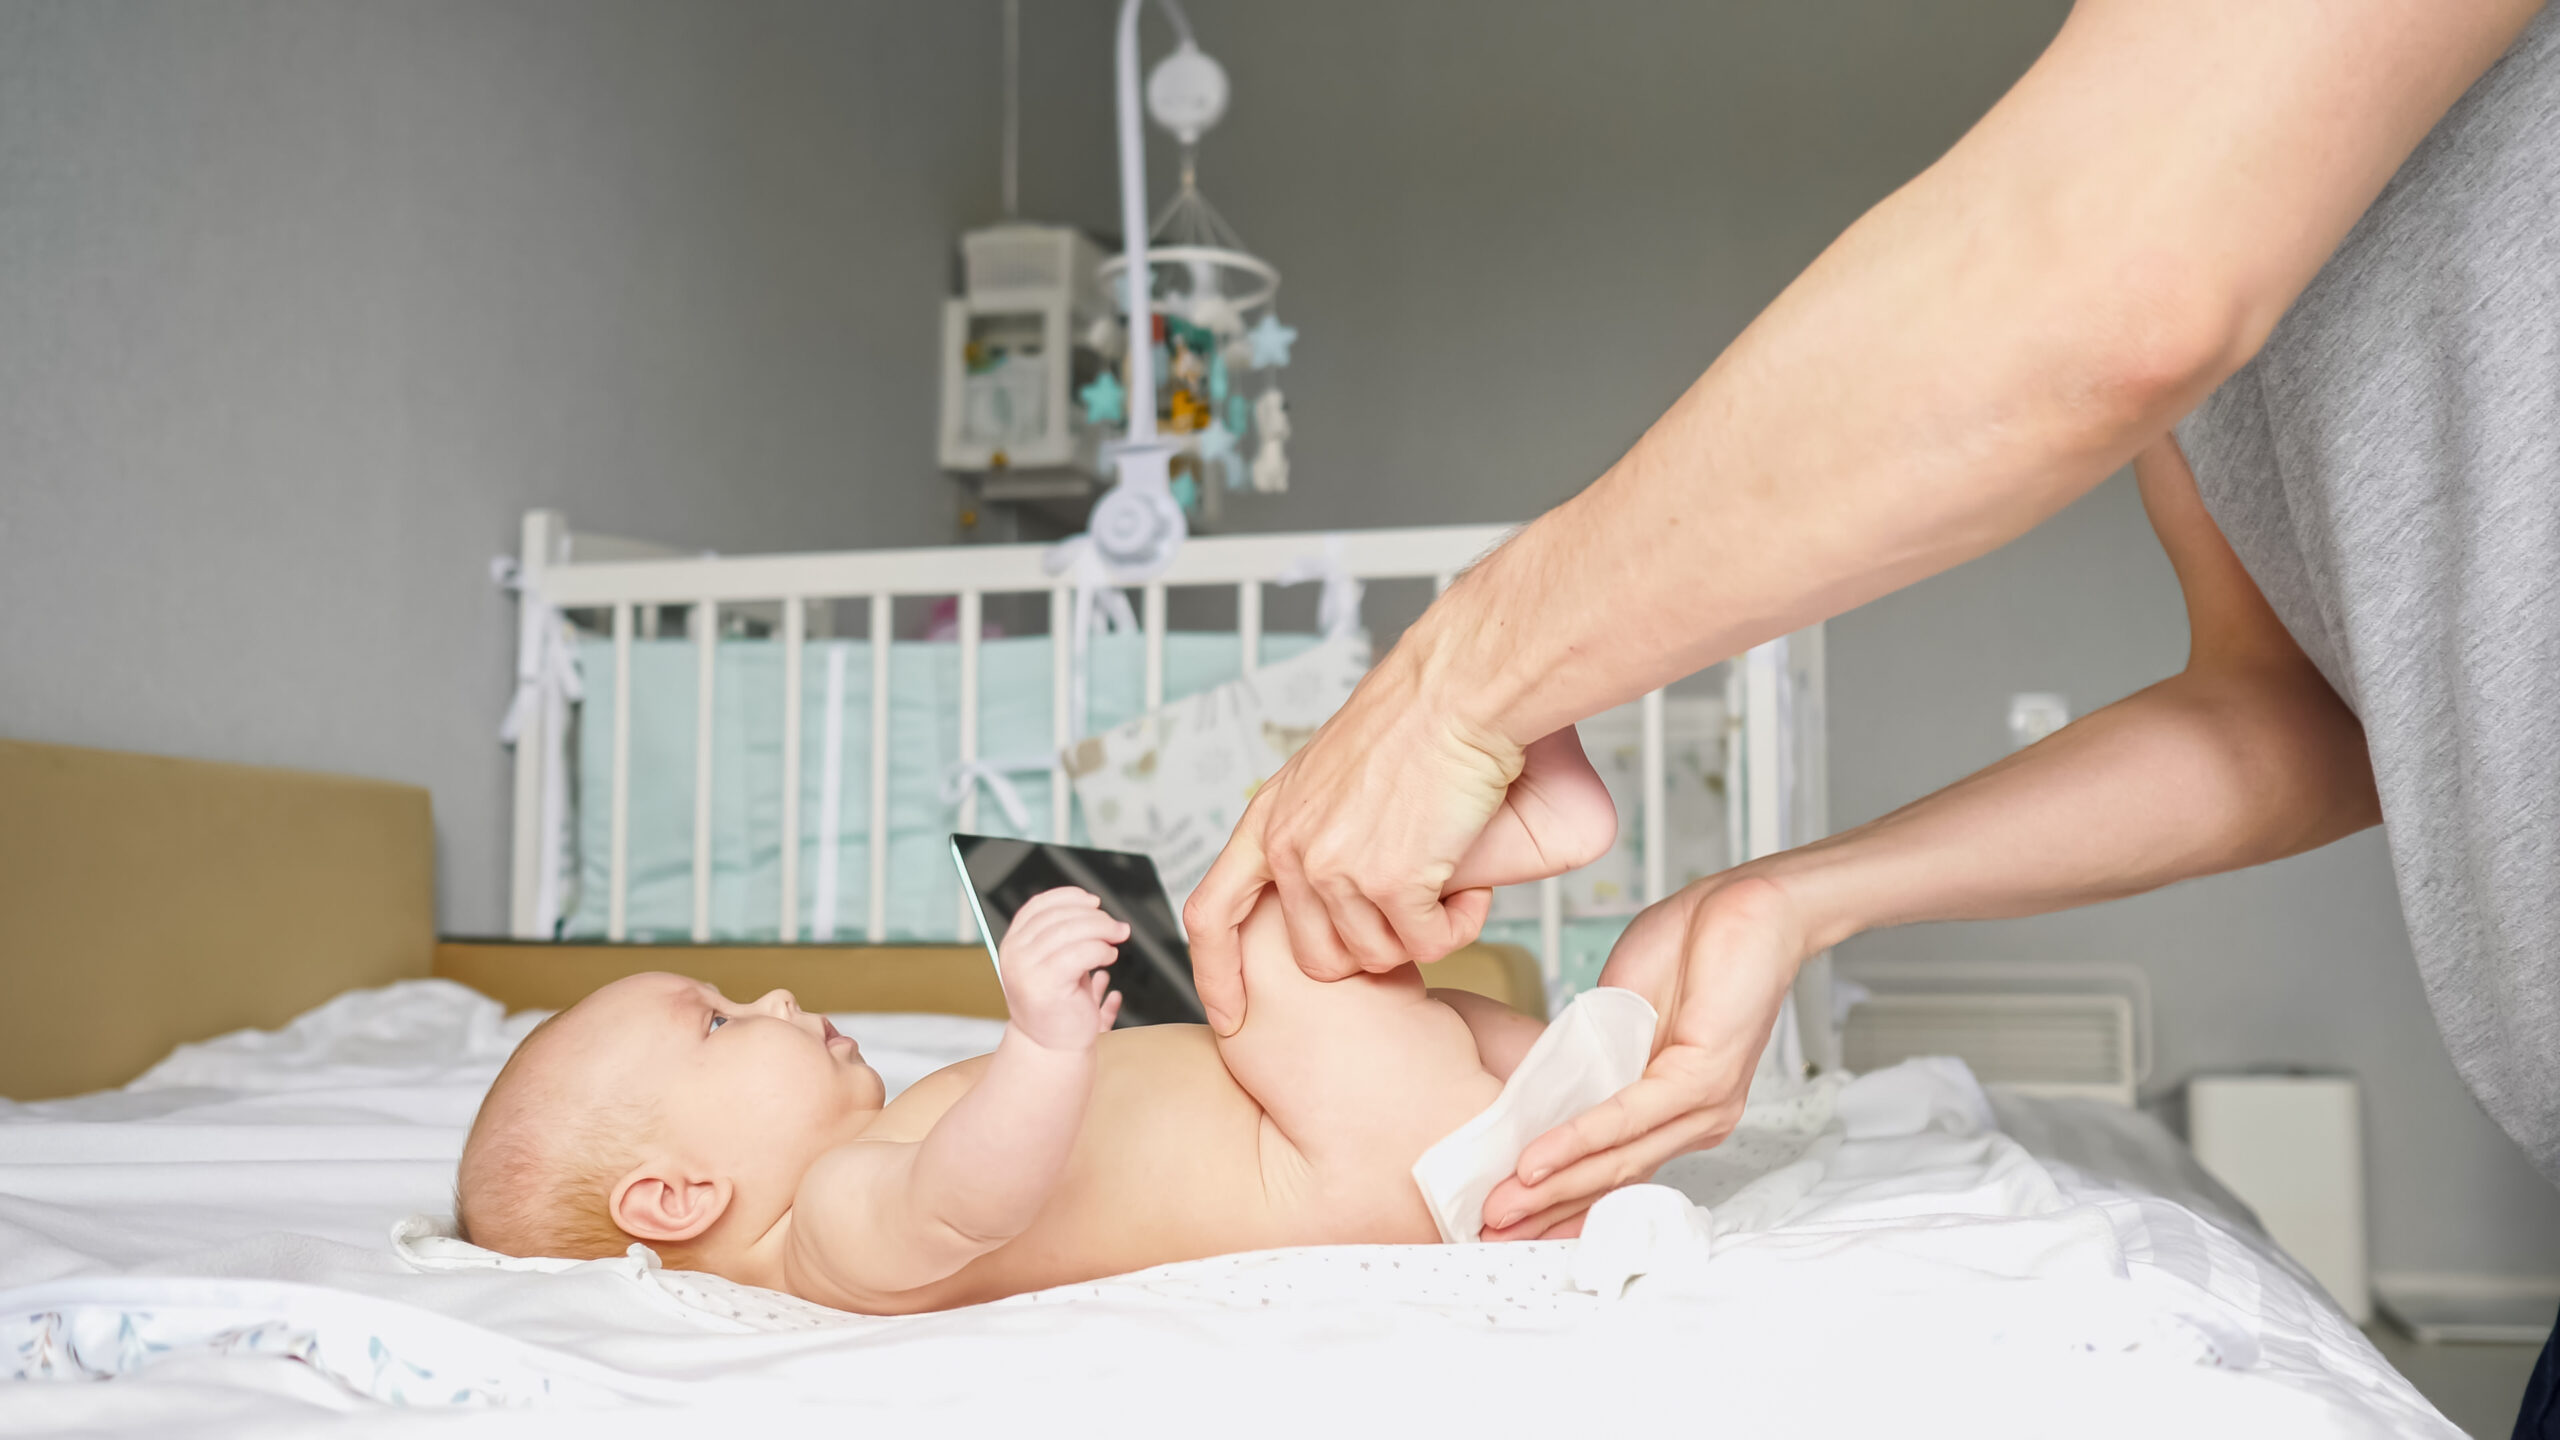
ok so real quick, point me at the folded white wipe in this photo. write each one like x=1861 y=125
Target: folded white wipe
x=1595 y=1049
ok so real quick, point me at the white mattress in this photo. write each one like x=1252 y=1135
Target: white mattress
x=217 y=1239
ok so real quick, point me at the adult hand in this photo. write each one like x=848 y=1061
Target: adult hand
x=1359 y=832
x=1716 y=960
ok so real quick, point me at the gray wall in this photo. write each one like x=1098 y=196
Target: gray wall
x=302 y=304
x=1510 y=243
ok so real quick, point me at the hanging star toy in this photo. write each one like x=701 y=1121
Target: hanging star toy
x=1269 y=341
x=1105 y=403
x=1216 y=443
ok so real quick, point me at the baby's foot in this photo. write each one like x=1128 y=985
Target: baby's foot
x=1557 y=817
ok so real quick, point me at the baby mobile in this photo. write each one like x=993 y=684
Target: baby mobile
x=1215 y=341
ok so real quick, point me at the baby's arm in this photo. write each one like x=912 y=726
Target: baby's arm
x=880 y=1217
x=1557 y=817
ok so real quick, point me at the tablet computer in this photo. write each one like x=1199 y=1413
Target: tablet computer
x=1153 y=973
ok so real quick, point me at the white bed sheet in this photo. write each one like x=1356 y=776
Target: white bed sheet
x=217 y=1237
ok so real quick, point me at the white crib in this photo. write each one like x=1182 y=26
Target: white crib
x=1771 y=754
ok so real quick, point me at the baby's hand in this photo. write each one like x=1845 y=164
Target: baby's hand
x=1054 y=962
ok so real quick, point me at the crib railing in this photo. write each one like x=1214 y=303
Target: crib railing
x=633 y=590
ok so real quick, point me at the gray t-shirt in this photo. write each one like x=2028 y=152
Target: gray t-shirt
x=2388 y=469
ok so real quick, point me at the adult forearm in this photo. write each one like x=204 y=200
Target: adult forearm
x=2116 y=236
x=2194 y=776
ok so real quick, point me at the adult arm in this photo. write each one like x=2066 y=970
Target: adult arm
x=2245 y=756
x=2118 y=234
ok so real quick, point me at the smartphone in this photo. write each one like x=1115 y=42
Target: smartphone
x=1153 y=973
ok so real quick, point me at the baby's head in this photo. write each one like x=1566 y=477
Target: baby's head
x=658 y=1110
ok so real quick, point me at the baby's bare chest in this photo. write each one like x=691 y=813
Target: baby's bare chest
x=1173 y=1162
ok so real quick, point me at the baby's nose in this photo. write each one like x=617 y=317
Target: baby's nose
x=780 y=1002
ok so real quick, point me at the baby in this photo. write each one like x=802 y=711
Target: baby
x=751 y=1141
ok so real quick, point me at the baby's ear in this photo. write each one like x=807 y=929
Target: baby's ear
x=657 y=1203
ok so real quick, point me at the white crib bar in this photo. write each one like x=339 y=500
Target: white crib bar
x=617 y=919
x=876 y=893
x=706 y=646
x=1153 y=620
x=1062 y=611
x=1551 y=932
x=1764 y=807
x=971 y=606
x=795 y=625
x=1249 y=624
x=1657 y=823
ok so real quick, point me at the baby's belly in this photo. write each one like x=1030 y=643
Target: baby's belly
x=1175 y=1162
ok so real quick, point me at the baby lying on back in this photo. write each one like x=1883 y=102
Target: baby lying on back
x=752 y=1141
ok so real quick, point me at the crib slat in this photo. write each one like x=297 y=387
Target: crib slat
x=876 y=894
x=1551 y=931
x=706 y=647
x=1249 y=623
x=1062 y=612
x=618 y=885
x=1763 y=673
x=823 y=892
x=1657 y=827
x=971 y=606
x=1153 y=620
x=795 y=629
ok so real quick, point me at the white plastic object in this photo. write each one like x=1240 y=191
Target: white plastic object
x=2292 y=1147
x=1137 y=526
x=1187 y=93
x=2035 y=714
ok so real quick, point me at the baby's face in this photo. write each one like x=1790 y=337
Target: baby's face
x=755 y=1091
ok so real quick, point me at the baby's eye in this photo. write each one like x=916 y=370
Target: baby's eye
x=716 y=1022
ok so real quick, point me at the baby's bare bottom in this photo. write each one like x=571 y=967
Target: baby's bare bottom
x=1356 y=1078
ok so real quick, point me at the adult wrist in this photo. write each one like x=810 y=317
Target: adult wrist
x=1820 y=894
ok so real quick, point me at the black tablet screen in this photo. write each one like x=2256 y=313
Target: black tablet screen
x=1153 y=974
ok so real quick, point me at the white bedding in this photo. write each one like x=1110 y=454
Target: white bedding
x=1886 y=1259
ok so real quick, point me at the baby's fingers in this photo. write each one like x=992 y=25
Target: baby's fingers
x=1110 y=1013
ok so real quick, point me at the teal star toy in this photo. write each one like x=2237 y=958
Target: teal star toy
x=1270 y=341
x=1105 y=403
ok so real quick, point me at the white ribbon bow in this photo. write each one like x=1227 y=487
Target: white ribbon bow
x=1338 y=606
x=548 y=682
x=1098 y=603
x=996 y=775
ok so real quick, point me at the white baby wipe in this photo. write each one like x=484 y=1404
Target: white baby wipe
x=1595 y=1049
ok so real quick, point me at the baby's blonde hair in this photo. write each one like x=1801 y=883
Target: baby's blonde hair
x=538 y=1170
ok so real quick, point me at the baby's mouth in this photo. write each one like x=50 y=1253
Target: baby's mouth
x=834 y=1035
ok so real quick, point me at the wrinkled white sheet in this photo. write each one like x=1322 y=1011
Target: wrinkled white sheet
x=1883 y=1258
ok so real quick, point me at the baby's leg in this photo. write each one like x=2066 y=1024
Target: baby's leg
x=1358 y=1076
x=1557 y=817
x=1502 y=1035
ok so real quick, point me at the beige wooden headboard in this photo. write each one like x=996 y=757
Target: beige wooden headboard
x=146 y=902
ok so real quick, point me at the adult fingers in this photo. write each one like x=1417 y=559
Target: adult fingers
x=1367 y=938
x=1673 y=1084
x=1561 y=1221
x=1511 y=1207
x=1428 y=927
x=1214 y=917
x=1312 y=941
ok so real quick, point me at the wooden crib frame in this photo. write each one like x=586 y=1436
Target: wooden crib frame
x=1774 y=692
